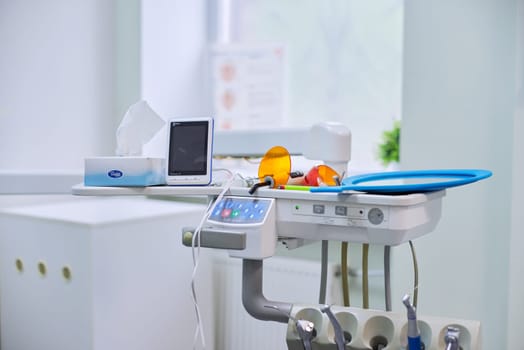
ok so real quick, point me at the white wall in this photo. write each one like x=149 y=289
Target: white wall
x=173 y=75
x=459 y=112
x=57 y=87
x=126 y=59
x=516 y=261
x=58 y=91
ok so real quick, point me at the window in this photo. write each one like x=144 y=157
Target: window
x=342 y=62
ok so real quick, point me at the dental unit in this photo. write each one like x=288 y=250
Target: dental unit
x=249 y=223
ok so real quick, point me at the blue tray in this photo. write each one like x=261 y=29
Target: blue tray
x=403 y=181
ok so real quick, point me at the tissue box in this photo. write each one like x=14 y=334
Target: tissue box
x=124 y=171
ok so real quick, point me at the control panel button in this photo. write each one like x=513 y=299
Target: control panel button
x=319 y=209
x=341 y=210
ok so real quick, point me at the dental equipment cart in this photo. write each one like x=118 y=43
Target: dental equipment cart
x=249 y=223
x=249 y=227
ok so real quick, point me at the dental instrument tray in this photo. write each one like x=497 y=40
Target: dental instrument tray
x=410 y=181
x=303 y=216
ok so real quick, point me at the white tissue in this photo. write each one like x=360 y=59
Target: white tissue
x=139 y=125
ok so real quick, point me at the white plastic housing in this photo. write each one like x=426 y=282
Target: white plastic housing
x=358 y=218
x=331 y=143
x=261 y=237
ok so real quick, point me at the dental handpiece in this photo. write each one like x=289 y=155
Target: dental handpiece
x=339 y=334
x=306 y=329
x=452 y=338
x=414 y=342
x=306 y=332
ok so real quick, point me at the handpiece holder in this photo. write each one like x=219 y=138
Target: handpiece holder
x=375 y=329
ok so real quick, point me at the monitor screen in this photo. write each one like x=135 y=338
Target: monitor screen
x=188 y=147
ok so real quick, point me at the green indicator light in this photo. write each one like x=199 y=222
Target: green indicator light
x=297 y=207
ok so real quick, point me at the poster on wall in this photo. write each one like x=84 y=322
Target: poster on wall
x=248 y=86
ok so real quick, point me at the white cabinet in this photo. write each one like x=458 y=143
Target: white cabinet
x=99 y=274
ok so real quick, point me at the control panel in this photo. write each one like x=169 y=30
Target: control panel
x=241 y=211
x=252 y=217
x=387 y=220
x=340 y=214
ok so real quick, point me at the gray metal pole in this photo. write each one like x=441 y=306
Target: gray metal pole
x=253 y=298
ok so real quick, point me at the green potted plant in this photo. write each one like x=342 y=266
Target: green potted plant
x=389 y=148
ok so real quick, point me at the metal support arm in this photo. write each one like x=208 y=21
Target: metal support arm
x=253 y=298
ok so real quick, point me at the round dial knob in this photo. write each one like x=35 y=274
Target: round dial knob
x=376 y=216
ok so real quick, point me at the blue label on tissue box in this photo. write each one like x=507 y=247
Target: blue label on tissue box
x=115 y=174
x=124 y=171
